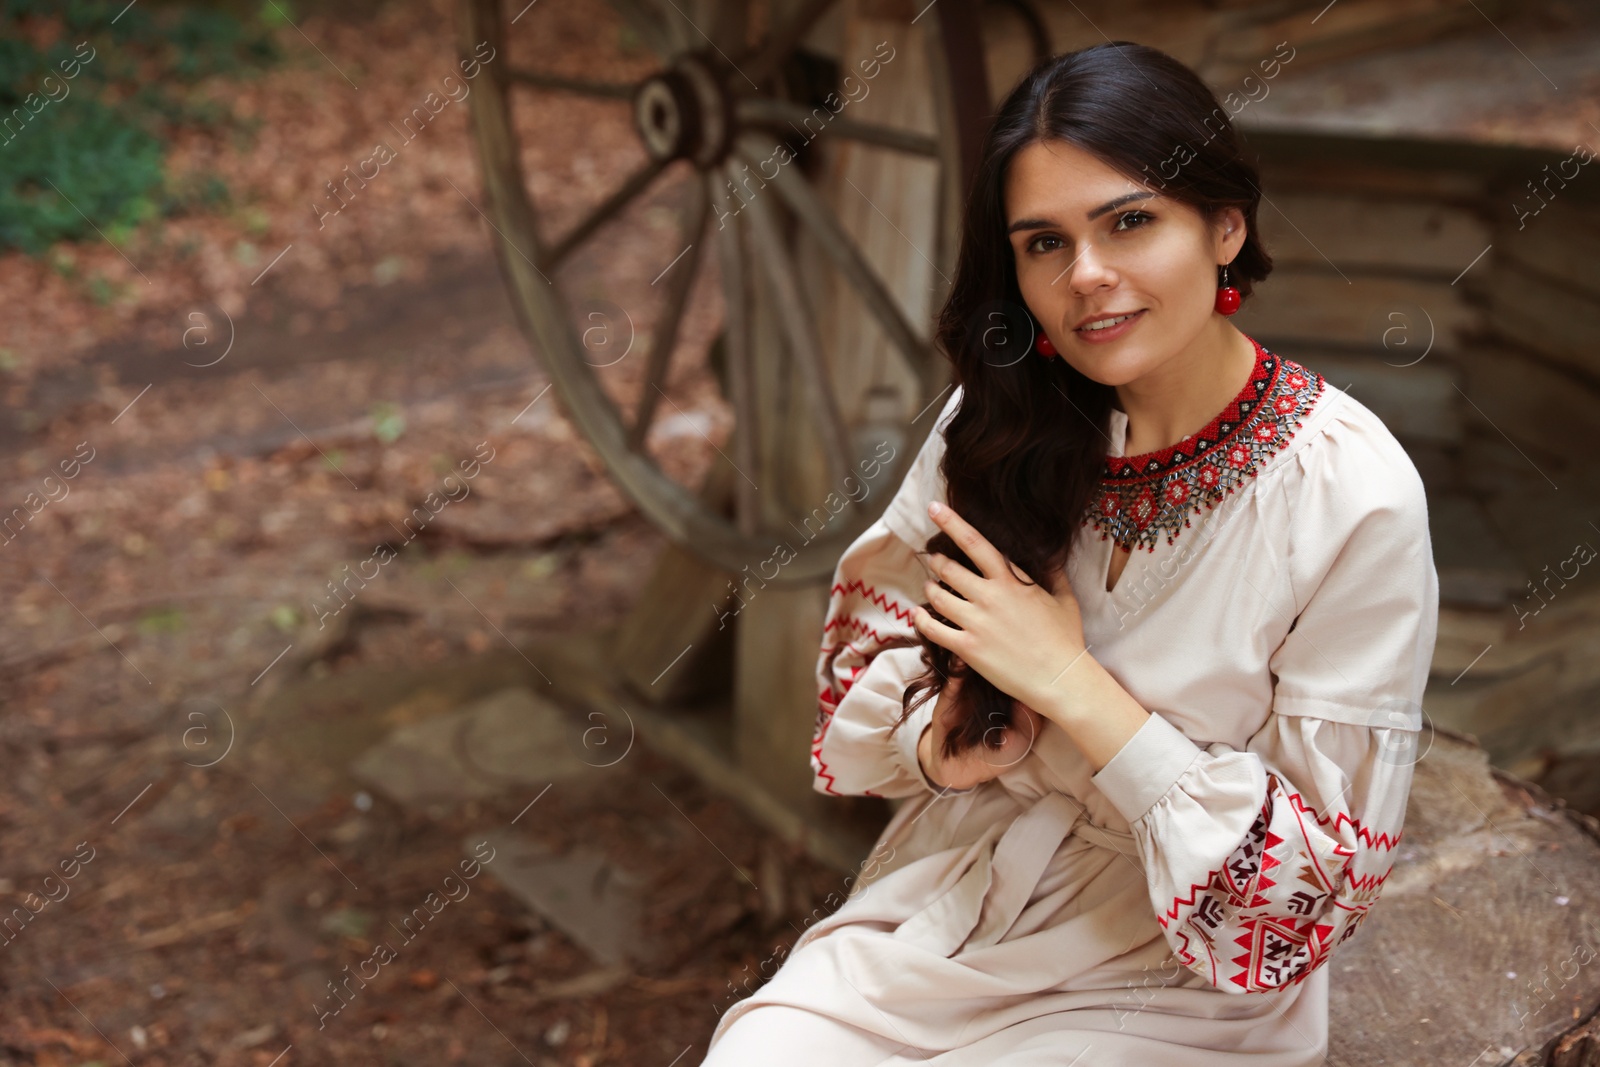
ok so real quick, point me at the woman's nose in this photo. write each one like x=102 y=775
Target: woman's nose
x=1089 y=271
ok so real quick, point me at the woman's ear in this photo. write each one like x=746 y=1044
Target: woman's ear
x=1229 y=231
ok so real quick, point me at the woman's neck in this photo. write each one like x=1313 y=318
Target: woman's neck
x=1179 y=397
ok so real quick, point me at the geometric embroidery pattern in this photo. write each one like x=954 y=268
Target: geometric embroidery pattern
x=1144 y=497
x=1281 y=902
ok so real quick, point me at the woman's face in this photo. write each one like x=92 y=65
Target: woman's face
x=1089 y=243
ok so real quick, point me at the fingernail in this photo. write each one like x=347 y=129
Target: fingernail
x=934 y=508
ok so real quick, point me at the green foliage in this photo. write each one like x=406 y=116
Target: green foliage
x=91 y=164
x=165 y=620
x=195 y=191
x=101 y=289
x=387 y=422
x=285 y=618
x=84 y=123
x=214 y=42
x=276 y=13
x=348 y=922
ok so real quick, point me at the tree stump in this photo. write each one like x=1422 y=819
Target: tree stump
x=1484 y=948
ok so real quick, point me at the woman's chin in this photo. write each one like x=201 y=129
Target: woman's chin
x=1110 y=369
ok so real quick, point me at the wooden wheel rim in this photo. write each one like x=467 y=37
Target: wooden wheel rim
x=691 y=111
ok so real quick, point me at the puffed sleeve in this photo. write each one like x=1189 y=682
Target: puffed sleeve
x=869 y=645
x=1261 y=861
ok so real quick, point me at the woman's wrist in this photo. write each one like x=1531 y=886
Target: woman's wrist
x=1074 y=692
x=1093 y=709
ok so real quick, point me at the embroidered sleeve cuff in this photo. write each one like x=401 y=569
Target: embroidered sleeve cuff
x=1144 y=768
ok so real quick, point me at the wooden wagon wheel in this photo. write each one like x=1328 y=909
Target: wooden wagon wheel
x=716 y=105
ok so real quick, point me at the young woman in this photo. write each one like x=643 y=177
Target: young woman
x=1217 y=689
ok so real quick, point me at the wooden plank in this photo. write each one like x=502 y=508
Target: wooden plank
x=1371 y=234
x=1531 y=400
x=837 y=832
x=1302 y=306
x=887 y=202
x=1560 y=244
x=676 y=642
x=1183 y=31
x=1475 y=568
x=1225 y=40
x=1561 y=323
x=1417 y=402
x=1349 y=28
x=1344 y=164
x=775 y=688
x=1533 y=657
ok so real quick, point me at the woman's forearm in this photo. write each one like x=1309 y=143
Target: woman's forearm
x=1092 y=707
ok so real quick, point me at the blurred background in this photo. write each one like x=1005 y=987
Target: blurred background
x=401 y=660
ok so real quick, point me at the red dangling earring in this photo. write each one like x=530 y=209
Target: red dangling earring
x=1227 y=296
x=1043 y=345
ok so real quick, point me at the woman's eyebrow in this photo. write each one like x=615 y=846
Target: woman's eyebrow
x=1042 y=223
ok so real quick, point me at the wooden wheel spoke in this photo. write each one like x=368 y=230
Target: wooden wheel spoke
x=839 y=248
x=613 y=205
x=666 y=334
x=729 y=20
x=541 y=80
x=800 y=334
x=660 y=27
x=741 y=376
x=766 y=57
x=773 y=338
x=766 y=110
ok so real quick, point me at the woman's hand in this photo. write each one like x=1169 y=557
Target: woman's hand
x=976 y=765
x=1020 y=636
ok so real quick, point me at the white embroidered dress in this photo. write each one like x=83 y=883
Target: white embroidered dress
x=1178 y=906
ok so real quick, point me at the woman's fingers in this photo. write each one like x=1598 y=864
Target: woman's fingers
x=939 y=633
x=945 y=602
x=977 y=547
x=964 y=580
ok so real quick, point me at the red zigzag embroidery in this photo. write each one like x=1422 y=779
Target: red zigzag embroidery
x=1380 y=842
x=862 y=635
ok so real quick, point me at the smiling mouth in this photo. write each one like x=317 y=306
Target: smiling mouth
x=1106 y=324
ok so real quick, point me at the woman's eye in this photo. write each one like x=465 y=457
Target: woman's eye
x=1128 y=220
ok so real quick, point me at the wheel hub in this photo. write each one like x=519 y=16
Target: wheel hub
x=685 y=112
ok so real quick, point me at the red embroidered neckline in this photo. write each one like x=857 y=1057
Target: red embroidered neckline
x=1141 y=497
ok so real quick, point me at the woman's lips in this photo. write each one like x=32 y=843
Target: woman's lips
x=1111 y=333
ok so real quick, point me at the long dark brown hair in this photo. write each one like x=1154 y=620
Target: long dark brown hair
x=1026 y=449
x=986 y=711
